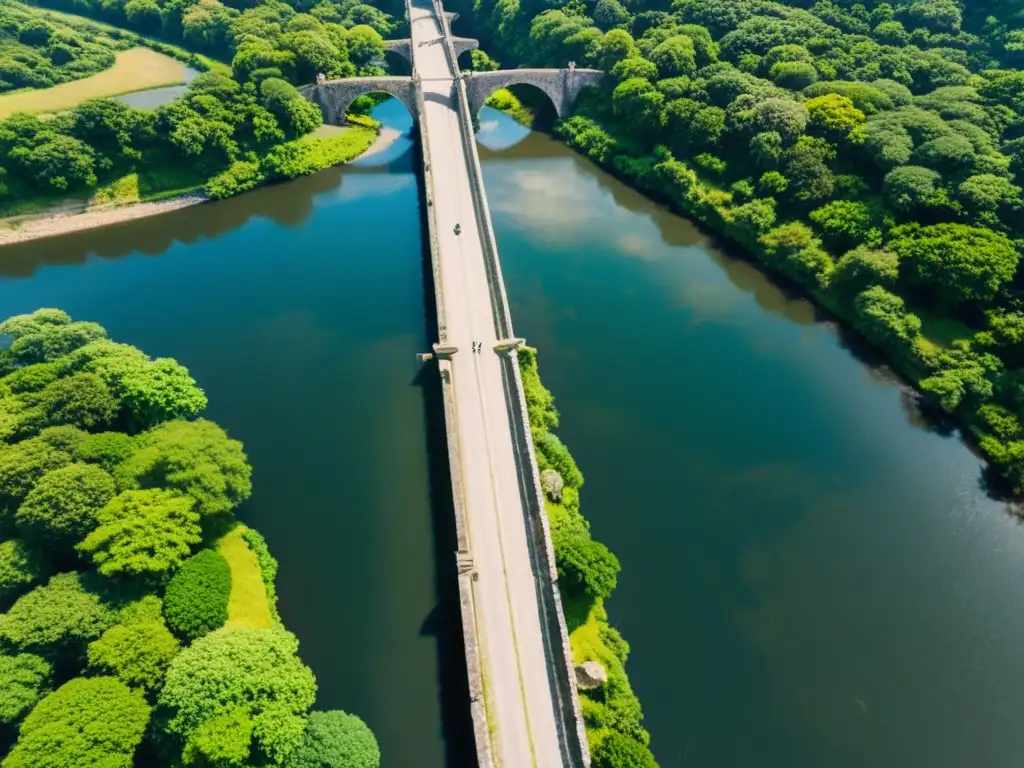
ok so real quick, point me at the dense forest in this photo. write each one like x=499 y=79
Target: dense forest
x=122 y=642
x=871 y=152
x=228 y=132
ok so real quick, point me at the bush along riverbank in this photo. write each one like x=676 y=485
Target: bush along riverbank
x=587 y=575
x=140 y=622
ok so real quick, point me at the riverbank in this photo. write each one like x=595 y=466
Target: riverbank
x=587 y=573
x=310 y=154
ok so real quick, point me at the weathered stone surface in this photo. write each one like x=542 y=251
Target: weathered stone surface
x=552 y=484
x=561 y=85
x=334 y=96
x=590 y=675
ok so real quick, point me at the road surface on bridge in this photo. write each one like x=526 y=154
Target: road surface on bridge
x=519 y=695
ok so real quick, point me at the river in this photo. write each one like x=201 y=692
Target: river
x=812 y=574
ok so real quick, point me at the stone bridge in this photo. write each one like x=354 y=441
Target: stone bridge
x=404 y=47
x=561 y=85
x=334 y=96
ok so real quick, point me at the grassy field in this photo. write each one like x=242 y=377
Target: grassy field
x=248 y=606
x=135 y=70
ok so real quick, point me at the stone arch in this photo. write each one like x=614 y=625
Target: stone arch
x=560 y=85
x=335 y=96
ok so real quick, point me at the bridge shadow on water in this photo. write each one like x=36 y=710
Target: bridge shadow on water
x=444 y=621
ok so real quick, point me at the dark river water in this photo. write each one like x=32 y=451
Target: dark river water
x=812 y=573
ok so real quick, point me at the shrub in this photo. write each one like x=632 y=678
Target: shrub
x=619 y=751
x=144 y=534
x=86 y=723
x=335 y=740
x=20 y=568
x=552 y=454
x=585 y=567
x=240 y=177
x=59 y=617
x=268 y=566
x=196 y=601
x=256 y=671
x=138 y=654
x=108 y=449
x=63 y=506
x=23 y=679
x=193 y=457
x=21 y=466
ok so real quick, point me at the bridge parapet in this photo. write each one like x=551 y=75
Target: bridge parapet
x=561 y=85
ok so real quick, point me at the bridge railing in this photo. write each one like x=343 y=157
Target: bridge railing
x=556 y=634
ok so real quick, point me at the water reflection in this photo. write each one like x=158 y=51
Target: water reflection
x=289 y=205
x=151 y=98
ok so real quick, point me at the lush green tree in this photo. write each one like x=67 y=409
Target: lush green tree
x=786 y=118
x=834 y=115
x=86 y=723
x=639 y=102
x=107 y=449
x=63 y=506
x=951 y=154
x=24 y=678
x=364 y=45
x=990 y=194
x=82 y=400
x=616 y=750
x=196 y=601
x=335 y=739
x=192 y=457
x=31 y=378
x=137 y=653
x=912 y=188
x=146 y=534
x=56 y=163
x=585 y=567
x=52 y=342
x=294 y=114
x=794 y=75
x=58 y=617
x=675 y=57
x=255 y=670
x=21 y=567
x=552 y=454
x=21 y=466
x=635 y=67
x=958 y=263
x=151 y=391
x=609 y=14
x=224 y=740
x=882 y=317
x=863 y=268
x=848 y=223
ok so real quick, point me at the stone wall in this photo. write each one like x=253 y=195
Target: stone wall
x=562 y=86
x=335 y=96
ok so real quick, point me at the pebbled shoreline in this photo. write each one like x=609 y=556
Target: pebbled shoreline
x=23 y=229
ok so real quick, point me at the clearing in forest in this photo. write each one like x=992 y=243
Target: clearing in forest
x=135 y=70
x=247 y=606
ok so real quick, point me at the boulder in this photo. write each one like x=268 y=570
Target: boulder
x=552 y=484
x=590 y=675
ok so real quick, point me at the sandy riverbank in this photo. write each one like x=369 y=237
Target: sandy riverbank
x=64 y=221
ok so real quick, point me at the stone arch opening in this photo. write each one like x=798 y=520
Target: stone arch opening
x=482 y=85
x=526 y=103
x=336 y=96
x=397 y=63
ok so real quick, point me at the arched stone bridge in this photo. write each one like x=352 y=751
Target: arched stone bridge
x=334 y=96
x=561 y=85
x=404 y=47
